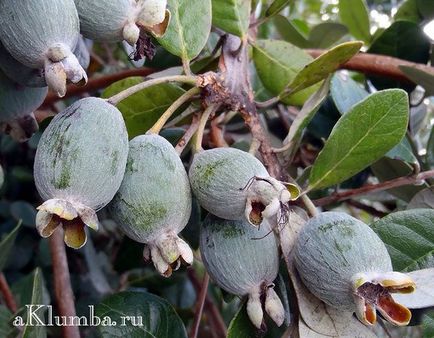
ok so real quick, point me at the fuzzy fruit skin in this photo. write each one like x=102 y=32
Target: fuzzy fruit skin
x=29 y=27
x=104 y=20
x=331 y=249
x=155 y=197
x=234 y=259
x=218 y=176
x=17 y=101
x=82 y=154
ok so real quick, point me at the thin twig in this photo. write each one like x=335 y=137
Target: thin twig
x=115 y=99
x=192 y=128
x=62 y=282
x=7 y=294
x=156 y=128
x=199 y=306
x=202 y=124
x=370 y=188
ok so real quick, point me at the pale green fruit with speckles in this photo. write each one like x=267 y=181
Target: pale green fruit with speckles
x=153 y=203
x=235 y=185
x=17 y=104
x=79 y=166
x=244 y=261
x=42 y=34
x=344 y=263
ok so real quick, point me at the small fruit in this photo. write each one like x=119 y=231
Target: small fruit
x=79 y=165
x=244 y=261
x=153 y=203
x=345 y=264
x=17 y=104
x=233 y=184
x=41 y=34
x=114 y=21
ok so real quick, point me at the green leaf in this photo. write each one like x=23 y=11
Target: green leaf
x=346 y=92
x=233 y=16
x=158 y=317
x=24 y=211
x=421 y=77
x=326 y=34
x=189 y=28
x=362 y=136
x=426 y=8
x=34 y=331
x=408 y=11
x=289 y=32
x=6 y=245
x=354 y=14
x=143 y=109
x=403 y=152
x=323 y=65
x=276 y=7
x=277 y=64
x=424 y=199
x=409 y=238
x=428 y=324
x=241 y=326
x=6 y=328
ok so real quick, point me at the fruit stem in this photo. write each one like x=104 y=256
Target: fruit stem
x=156 y=128
x=7 y=294
x=202 y=124
x=199 y=306
x=115 y=99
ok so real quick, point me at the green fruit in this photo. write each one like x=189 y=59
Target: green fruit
x=79 y=166
x=153 y=203
x=345 y=264
x=244 y=261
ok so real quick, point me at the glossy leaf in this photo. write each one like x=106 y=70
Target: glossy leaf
x=362 y=136
x=354 y=14
x=143 y=109
x=409 y=238
x=35 y=331
x=276 y=6
x=346 y=92
x=422 y=77
x=158 y=317
x=6 y=245
x=322 y=66
x=189 y=27
x=278 y=63
x=241 y=326
x=326 y=34
x=233 y=16
x=423 y=296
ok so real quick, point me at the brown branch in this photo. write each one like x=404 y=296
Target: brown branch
x=192 y=128
x=97 y=83
x=370 y=188
x=7 y=294
x=199 y=306
x=379 y=65
x=62 y=283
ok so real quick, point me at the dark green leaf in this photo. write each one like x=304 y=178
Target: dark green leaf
x=6 y=245
x=241 y=326
x=322 y=66
x=428 y=324
x=362 y=136
x=289 y=32
x=326 y=34
x=6 y=328
x=277 y=64
x=408 y=11
x=426 y=8
x=23 y=290
x=276 y=6
x=346 y=92
x=403 y=152
x=34 y=331
x=158 y=317
x=421 y=77
x=189 y=28
x=24 y=211
x=354 y=14
x=233 y=16
x=143 y=109
x=409 y=238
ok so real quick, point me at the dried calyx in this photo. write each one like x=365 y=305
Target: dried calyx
x=234 y=185
x=345 y=264
x=244 y=261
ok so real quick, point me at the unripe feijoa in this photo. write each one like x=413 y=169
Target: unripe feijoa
x=344 y=263
x=42 y=34
x=233 y=184
x=153 y=203
x=17 y=104
x=79 y=166
x=244 y=261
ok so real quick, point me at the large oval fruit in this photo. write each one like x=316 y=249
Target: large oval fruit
x=244 y=261
x=42 y=34
x=345 y=264
x=153 y=203
x=79 y=166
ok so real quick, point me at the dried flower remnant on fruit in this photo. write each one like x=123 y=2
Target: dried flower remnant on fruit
x=79 y=167
x=234 y=185
x=153 y=203
x=345 y=264
x=243 y=261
